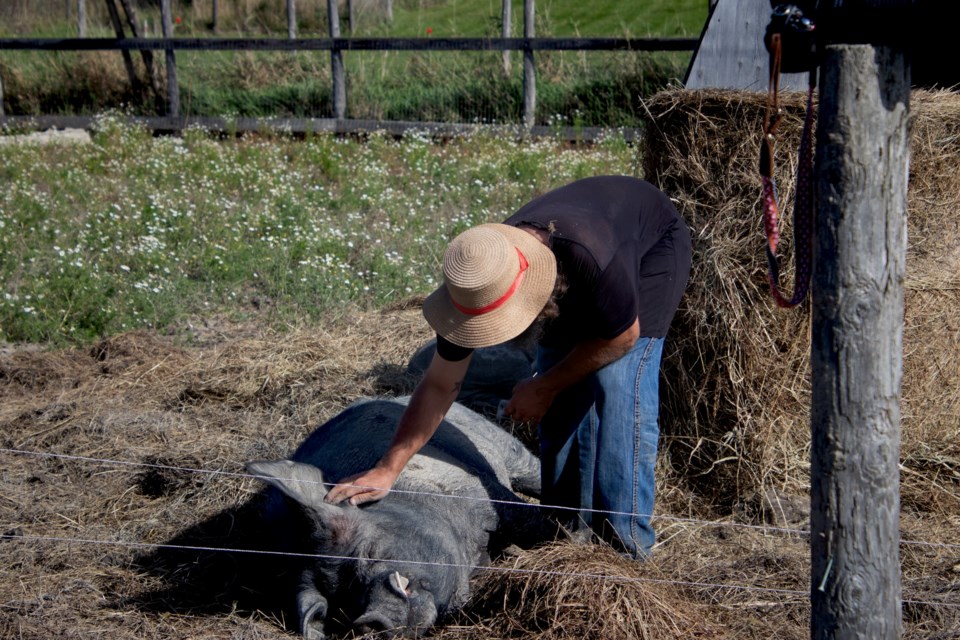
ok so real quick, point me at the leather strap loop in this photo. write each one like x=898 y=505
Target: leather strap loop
x=803 y=200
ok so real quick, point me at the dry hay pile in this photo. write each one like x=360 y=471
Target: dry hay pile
x=142 y=440
x=148 y=439
x=744 y=362
x=558 y=592
x=172 y=414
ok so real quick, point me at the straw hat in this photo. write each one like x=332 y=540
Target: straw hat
x=497 y=279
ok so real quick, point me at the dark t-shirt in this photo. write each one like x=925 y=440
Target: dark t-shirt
x=624 y=252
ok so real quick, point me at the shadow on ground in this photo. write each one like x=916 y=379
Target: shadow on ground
x=220 y=566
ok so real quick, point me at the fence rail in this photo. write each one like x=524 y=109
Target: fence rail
x=350 y=44
x=335 y=44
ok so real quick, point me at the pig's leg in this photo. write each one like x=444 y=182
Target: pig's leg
x=312 y=607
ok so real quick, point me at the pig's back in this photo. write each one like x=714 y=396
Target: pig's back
x=467 y=455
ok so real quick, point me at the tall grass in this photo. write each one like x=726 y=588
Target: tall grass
x=593 y=88
x=136 y=231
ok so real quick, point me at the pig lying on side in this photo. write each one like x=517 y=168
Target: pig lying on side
x=403 y=562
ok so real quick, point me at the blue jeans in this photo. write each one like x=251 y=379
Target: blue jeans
x=598 y=447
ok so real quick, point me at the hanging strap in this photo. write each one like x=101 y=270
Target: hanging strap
x=803 y=201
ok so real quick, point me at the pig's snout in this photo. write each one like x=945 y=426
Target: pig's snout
x=373 y=622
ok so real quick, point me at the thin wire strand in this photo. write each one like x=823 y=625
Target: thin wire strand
x=241 y=475
x=514 y=570
x=424 y=563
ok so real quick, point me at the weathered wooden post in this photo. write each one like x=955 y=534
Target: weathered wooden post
x=173 y=89
x=146 y=54
x=127 y=58
x=336 y=64
x=529 y=69
x=81 y=18
x=292 y=19
x=505 y=32
x=857 y=329
x=215 y=16
x=350 y=17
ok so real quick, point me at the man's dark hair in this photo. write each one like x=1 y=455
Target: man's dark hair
x=527 y=339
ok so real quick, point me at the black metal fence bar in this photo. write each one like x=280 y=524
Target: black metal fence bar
x=350 y=44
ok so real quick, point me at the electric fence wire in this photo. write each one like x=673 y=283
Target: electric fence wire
x=242 y=475
x=17 y=536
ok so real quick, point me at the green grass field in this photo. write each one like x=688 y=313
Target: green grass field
x=135 y=231
x=596 y=88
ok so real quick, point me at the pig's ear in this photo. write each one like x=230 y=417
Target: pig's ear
x=302 y=482
x=339 y=526
x=400 y=584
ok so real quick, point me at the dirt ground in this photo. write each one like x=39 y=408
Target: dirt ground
x=122 y=483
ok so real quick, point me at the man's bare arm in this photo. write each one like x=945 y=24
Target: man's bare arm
x=436 y=392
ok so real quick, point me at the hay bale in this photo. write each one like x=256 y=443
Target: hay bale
x=737 y=388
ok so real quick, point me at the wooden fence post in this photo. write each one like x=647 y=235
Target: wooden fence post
x=292 y=19
x=529 y=69
x=127 y=58
x=173 y=89
x=82 y=18
x=350 y=17
x=215 y=17
x=857 y=342
x=336 y=64
x=146 y=54
x=505 y=32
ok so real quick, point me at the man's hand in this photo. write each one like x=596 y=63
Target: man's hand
x=531 y=399
x=533 y=396
x=363 y=487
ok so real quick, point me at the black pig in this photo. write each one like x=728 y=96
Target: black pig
x=400 y=564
